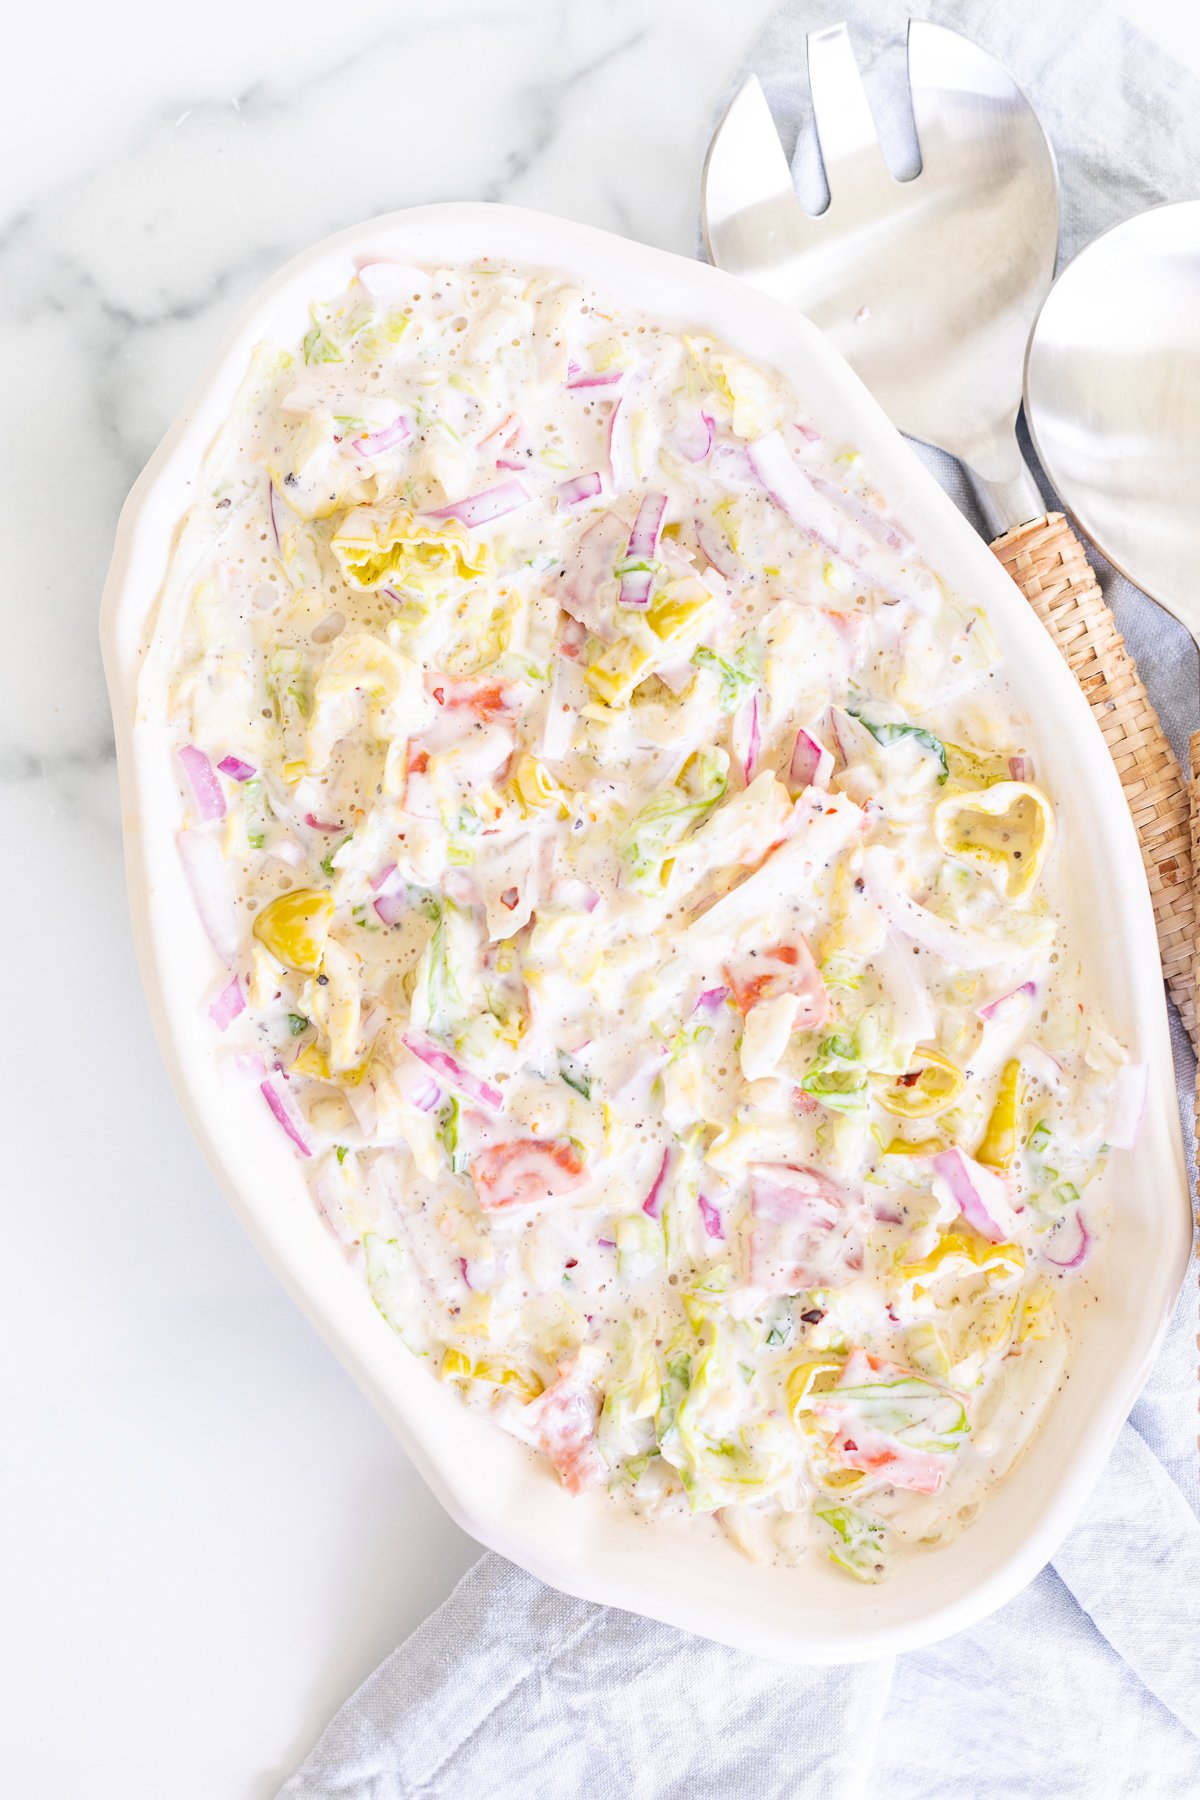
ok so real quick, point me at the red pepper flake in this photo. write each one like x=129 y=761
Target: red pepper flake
x=439 y=695
x=509 y=898
x=419 y=763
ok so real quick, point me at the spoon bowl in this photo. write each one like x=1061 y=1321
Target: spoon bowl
x=1112 y=396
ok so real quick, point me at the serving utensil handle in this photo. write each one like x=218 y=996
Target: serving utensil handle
x=1047 y=562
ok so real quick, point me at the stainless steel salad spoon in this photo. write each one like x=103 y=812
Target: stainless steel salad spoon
x=1112 y=396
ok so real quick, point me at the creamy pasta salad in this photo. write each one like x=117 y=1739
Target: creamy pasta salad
x=638 y=896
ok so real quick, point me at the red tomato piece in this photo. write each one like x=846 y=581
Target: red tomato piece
x=563 y=1421
x=781 y=969
x=525 y=1173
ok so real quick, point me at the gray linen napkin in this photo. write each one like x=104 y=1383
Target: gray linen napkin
x=1085 y=1687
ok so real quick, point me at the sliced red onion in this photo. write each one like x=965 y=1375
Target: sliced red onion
x=782 y=1194
x=451 y=1071
x=384 y=876
x=956 y=944
x=236 y=769
x=424 y=1094
x=462 y=1263
x=647 y=527
x=481 y=509
x=1021 y=768
x=711 y=999
x=620 y=465
x=204 y=869
x=1127 y=1108
x=580 y=488
x=772 y=463
x=287 y=1112
x=694 y=440
x=1078 y=1250
x=1042 y=1066
x=391 y=907
x=972 y=1188
x=271 y=511
x=1027 y=989
x=635 y=588
x=250 y=1064
x=711 y=1217
x=642 y=547
x=227 y=1005
x=316 y=824
x=883 y=530
x=210 y=799
x=392 y=595
x=715 y=549
x=746 y=738
x=606 y=1243
x=732 y=466
x=575 y=895
x=812 y=763
x=792 y=490
x=375 y=443
x=331 y=1200
x=510 y=462
x=579 y=377
x=652 y=1204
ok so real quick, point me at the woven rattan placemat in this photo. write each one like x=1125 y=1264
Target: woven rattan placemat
x=1047 y=562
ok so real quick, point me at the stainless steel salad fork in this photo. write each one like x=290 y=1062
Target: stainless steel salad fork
x=928 y=287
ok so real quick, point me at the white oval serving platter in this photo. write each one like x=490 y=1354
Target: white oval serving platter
x=508 y=1500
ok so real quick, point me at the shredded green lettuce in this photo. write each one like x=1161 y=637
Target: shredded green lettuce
x=914 y=1412
x=449 y=1121
x=574 y=1076
x=720 y=1464
x=666 y=818
x=257 y=811
x=738 y=673
x=641 y=1248
x=395 y=1289
x=859 y=1546
x=886 y=733
x=287 y=684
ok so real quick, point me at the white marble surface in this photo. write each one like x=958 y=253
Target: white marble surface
x=206 y=1537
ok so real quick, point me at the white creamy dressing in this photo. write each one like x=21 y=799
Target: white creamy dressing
x=633 y=878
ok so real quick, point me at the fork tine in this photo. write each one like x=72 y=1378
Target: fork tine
x=845 y=128
x=953 y=80
x=751 y=218
x=746 y=143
